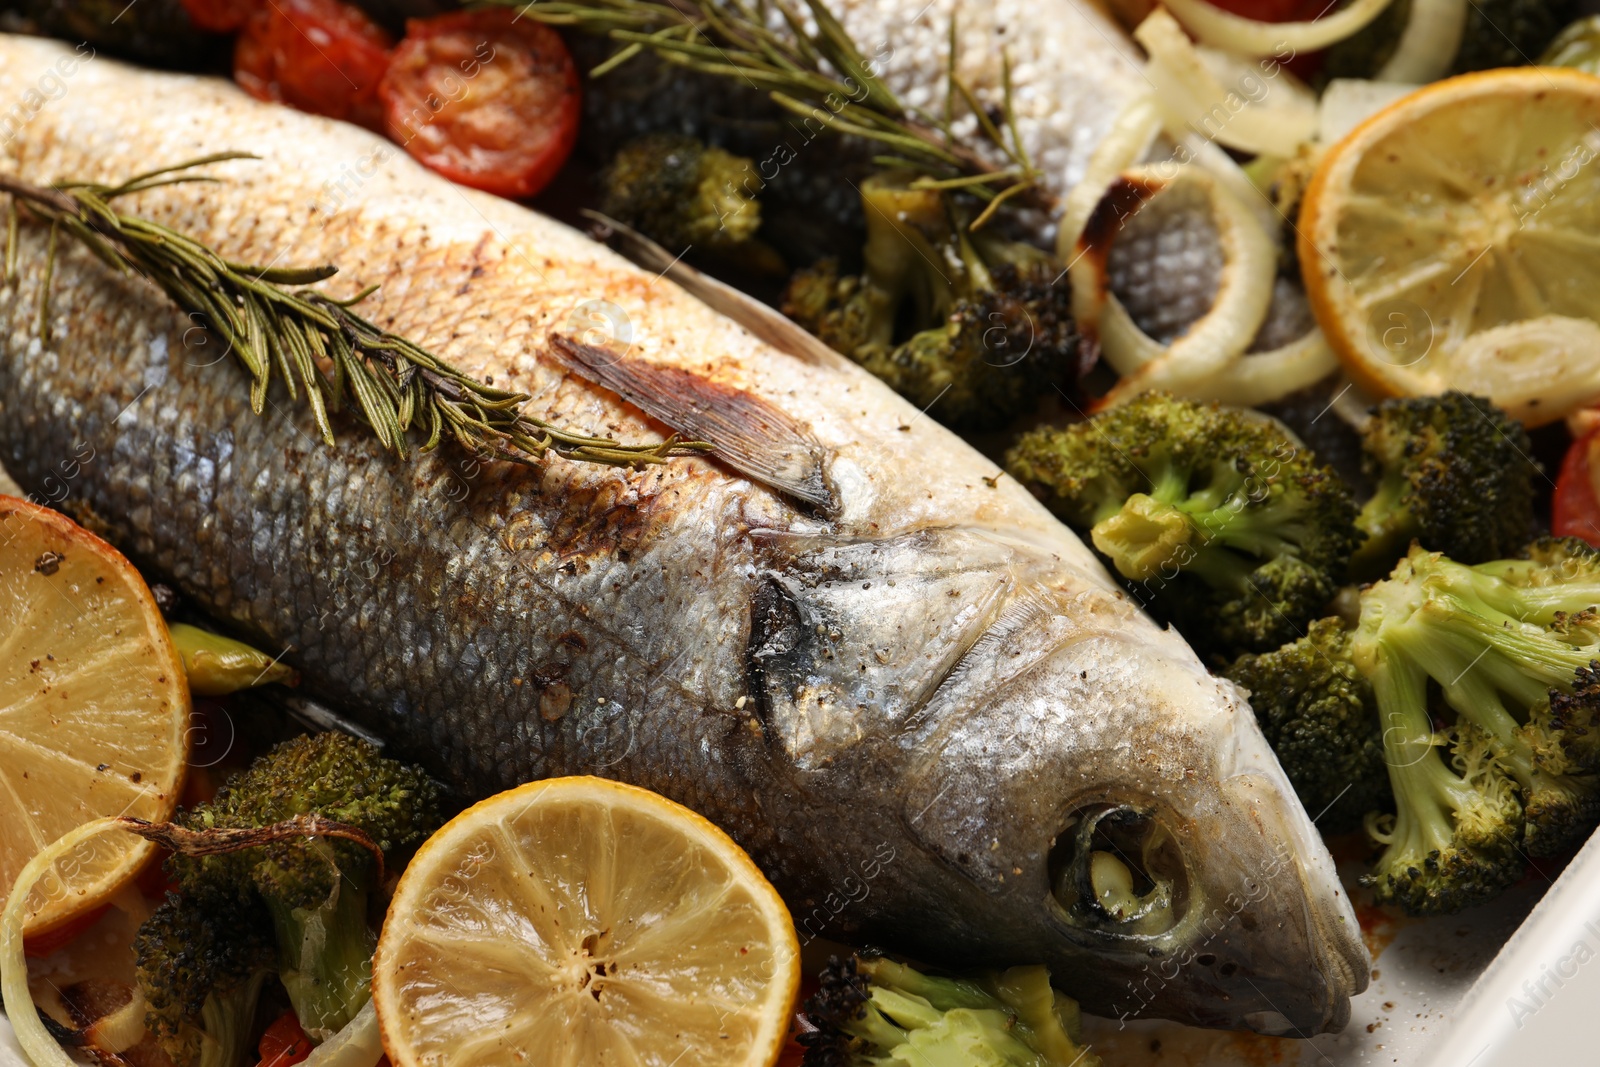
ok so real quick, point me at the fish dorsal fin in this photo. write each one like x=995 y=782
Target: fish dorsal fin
x=769 y=325
x=754 y=437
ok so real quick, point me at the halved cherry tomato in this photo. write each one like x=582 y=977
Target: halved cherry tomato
x=1576 y=511
x=284 y=1043
x=1305 y=65
x=484 y=98
x=321 y=56
x=219 y=16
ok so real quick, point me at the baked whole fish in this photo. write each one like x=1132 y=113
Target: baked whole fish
x=916 y=699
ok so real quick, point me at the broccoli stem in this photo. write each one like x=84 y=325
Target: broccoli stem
x=1464 y=641
x=1144 y=538
x=1495 y=585
x=227 y=1019
x=875 y=1026
x=967 y=1038
x=1045 y=1019
x=1389 y=529
x=943 y=993
x=900 y=257
x=1207 y=530
x=326 y=955
x=1429 y=796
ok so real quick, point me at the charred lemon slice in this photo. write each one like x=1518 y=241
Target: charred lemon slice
x=94 y=709
x=579 y=921
x=1452 y=241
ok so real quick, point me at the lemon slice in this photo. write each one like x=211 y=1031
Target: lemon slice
x=94 y=709
x=1452 y=240
x=578 y=921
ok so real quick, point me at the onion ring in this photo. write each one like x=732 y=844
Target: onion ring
x=1128 y=139
x=1429 y=44
x=1192 y=85
x=1257 y=378
x=1252 y=37
x=1218 y=337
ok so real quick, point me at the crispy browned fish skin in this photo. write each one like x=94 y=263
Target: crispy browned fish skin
x=895 y=709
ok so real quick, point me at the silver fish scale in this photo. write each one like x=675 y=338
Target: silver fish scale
x=1288 y=316
x=278 y=538
x=1166 y=263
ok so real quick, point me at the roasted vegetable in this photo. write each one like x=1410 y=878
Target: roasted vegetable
x=218 y=665
x=1509 y=649
x=682 y=193
x=873 y=1012
x=976 y=324
x=1454 y=840
x=1218 y=520
x=322 y=56
x=1453 y=472
x=1318 y=713
x=201 y=970
x=314 y=889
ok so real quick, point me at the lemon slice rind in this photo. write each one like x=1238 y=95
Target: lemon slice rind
x=94 y=708
x=579 y=920
x=1452 y=241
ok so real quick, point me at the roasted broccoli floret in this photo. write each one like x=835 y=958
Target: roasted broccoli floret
x=1318 y=714
x=873 y=1012
x=682 y=193
x=986 y=364
x=1454 y=838
x=201 y=971
x=314 y=889
x=1218 y=520
x=972 y=321
x=845 y=311
x=1509 y=649
x=1453 y=472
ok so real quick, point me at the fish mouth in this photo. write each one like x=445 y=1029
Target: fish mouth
x=1336 y=943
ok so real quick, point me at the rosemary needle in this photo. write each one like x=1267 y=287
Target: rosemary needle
x=289 y=334
x=821 y=75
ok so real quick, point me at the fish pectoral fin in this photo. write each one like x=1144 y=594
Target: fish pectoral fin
x=756 y=438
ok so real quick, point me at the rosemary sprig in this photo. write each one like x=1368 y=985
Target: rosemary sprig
x=822 y=76
x=273 y=330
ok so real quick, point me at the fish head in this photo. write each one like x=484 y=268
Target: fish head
x=1118 y=808
x=1068 y=786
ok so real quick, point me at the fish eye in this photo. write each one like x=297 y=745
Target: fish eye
x=1117 y=868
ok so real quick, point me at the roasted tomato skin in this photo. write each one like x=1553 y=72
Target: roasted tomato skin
x=284 y=1043
x=320 y=56
x=484 y=98
x=1576 y=508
